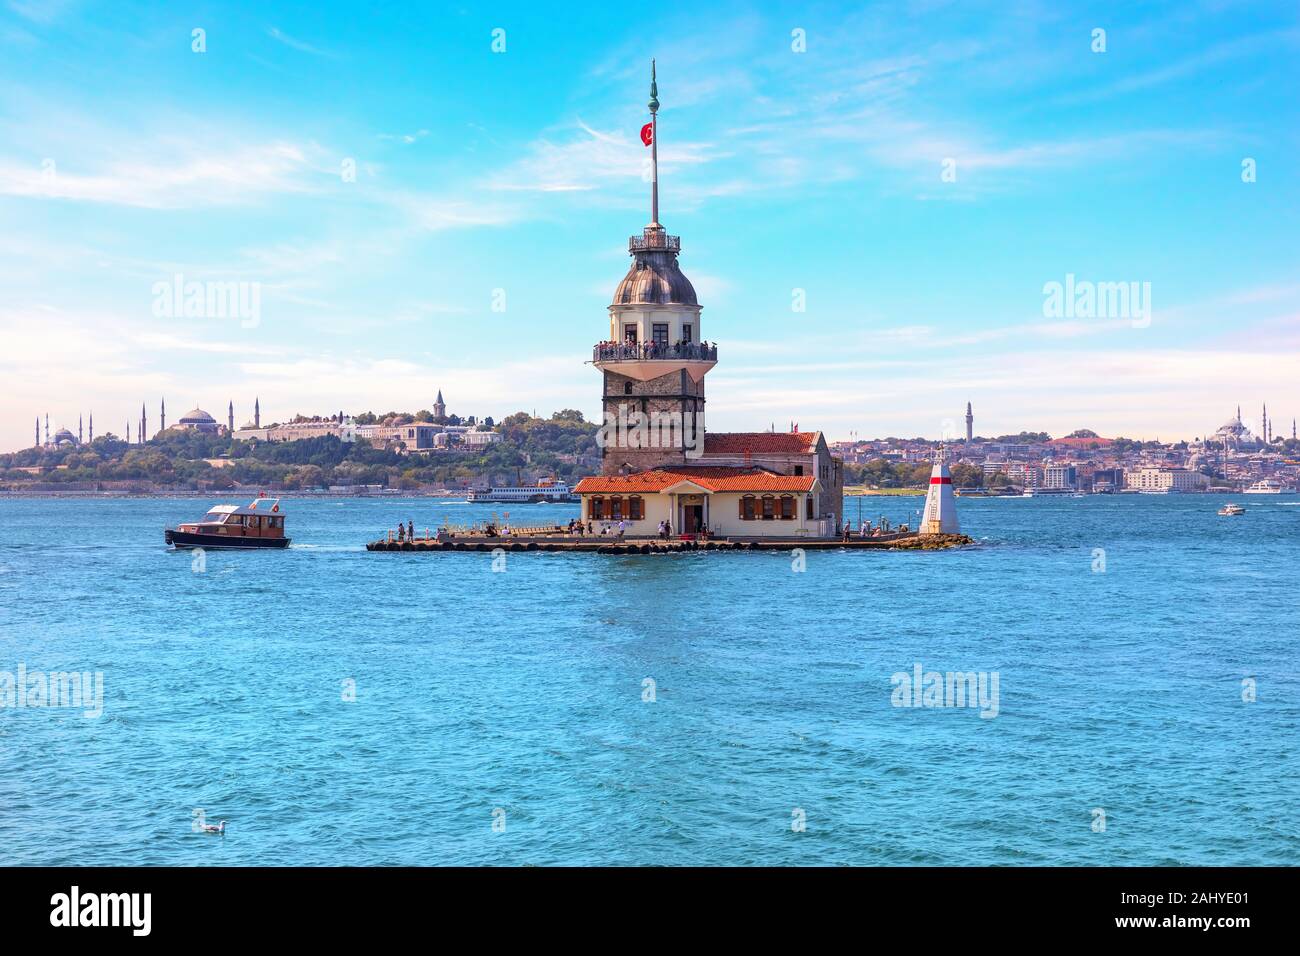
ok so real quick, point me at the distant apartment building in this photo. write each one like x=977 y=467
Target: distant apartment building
x=1065 y=477
x=1165 y=479
x=1021 y=473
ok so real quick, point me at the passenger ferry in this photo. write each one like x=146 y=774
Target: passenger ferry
x=1267 y=486
x=544 y=490
x=259 y=525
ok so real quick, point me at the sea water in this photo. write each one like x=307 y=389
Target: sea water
x=341 y=707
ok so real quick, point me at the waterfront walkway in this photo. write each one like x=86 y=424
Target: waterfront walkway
x=611 y=545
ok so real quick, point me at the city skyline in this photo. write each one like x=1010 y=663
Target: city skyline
x=877 y=179
x=1262 y=427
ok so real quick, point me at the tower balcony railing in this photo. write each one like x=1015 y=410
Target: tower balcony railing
x=652 y=241
x=654 y=352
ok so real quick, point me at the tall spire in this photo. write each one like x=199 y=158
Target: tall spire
x=162 y=416
x=257 y=413
x=80 y=436
x=92 y=428
x=231 y=420
x=38 y=431
x=47 y=428
x=654 y=147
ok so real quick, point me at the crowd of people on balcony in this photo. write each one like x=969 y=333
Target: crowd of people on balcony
x=631 y=350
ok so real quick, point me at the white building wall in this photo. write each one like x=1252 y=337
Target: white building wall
x=721 y=516
x=644 y=317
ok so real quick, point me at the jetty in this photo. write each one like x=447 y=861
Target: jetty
x=558 y=539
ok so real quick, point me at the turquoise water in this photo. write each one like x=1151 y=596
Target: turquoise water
x=517 y=696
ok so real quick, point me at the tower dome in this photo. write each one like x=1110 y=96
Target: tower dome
x=655 y=278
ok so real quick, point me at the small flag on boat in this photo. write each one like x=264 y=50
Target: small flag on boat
x=648 y=133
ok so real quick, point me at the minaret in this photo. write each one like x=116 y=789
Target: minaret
x=970 y=424
x=231 y=418
x=940 y=515
x=654 y=358
x=79 y=435
x=38 y=432
x=257 y=413
x=128 y=432
x=162 y=416
x=47 y=428
x=144 y=425
x=1263 y=424
x=92 y=428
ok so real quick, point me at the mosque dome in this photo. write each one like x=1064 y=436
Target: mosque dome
x=197 y=416
x=64 y=435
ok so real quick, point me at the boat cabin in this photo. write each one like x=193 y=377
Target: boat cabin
x=259 y=519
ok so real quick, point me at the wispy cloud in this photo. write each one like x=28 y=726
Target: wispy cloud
x=276 y=33
x=190 y=178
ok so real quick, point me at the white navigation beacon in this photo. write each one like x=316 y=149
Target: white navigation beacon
x=940 y=516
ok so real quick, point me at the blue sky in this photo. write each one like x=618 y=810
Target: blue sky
x=126 y=159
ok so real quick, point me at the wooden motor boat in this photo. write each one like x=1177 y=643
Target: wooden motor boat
x=260 y=524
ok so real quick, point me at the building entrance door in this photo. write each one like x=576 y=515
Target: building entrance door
x=692 y=519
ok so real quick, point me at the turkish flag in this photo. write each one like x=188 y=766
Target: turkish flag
x=648 y=133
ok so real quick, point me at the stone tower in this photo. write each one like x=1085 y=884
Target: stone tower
x=439 y=407
x=654 y=360
x=970 y=424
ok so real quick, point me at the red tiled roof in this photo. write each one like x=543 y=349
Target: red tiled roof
x=758 y=443
x=717 y=478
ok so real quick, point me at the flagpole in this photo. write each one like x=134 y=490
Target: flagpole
x=654 y=148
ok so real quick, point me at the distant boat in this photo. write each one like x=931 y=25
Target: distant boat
x=541 y=492
x=258 y=525
x=1231 y=509
x=1267 y=486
